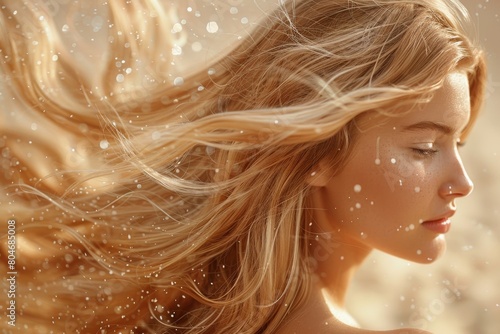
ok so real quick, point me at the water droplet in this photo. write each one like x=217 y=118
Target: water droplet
x=120 y=78
x=419 y=252
x=377 y=161
x=357 y=188
x=417 y=189
x=212 y=27
x=55 y=57
x=196 y=47
x=104 y=144
x=358 y=206
x=313 y=173
x=65 y=28
x=363 y=235
x=176 y=50
x=34 y=126
x=177 y=28
x=393 y=161
x=156 y=135
x=244 y=20
x=210 y=150
x=233 y=10
x=178 y=81
x=412 y=227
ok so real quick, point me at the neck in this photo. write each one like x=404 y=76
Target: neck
x=337 y=262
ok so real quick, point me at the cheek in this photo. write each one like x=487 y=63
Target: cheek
x=402 y=172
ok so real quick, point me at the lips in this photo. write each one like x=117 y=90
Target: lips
x=439 y=225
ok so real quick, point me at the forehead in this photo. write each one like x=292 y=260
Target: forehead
x=450 y=106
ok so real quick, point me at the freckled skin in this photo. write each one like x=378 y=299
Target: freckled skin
x=411 y=183
x=402 y=172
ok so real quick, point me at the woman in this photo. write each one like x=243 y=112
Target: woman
x=243 y=198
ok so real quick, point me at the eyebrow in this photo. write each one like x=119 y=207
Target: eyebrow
x=428 y=125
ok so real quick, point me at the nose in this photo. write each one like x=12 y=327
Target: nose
x=458 y=182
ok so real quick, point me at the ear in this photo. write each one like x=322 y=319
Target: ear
x=319 y=175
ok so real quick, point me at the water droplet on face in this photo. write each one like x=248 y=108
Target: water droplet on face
x=357 y=188
x=358 y=206
x=393 y=161
x=377 y=161
x=34 y=126
x=65 y=28
x=419 y=252
x=120 y=78
x=363 y=235
x=244 y=20
x=233 y=10
x=417 y=189
x=313 y=173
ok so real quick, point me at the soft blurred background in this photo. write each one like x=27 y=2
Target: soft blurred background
x=459 y=293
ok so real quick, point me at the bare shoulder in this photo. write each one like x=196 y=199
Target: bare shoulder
x=336 y=327
x=406 y=331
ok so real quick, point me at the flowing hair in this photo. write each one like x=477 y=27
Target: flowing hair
x=152 y=205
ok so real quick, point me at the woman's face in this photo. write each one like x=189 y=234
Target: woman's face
x=397 y=192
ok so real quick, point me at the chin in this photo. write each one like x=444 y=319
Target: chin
x=421 y=253
x=429 y=254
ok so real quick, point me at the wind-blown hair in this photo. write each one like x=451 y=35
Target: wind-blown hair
x=186 y=209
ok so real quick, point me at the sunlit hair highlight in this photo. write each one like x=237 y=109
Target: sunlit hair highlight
x=194 y=218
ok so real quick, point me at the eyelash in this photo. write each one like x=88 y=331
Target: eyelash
x=425 y=152
x=428 y=152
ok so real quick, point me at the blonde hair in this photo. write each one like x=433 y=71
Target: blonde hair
x=189 y=211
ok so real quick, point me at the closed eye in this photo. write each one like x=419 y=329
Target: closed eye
x=425 y=152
